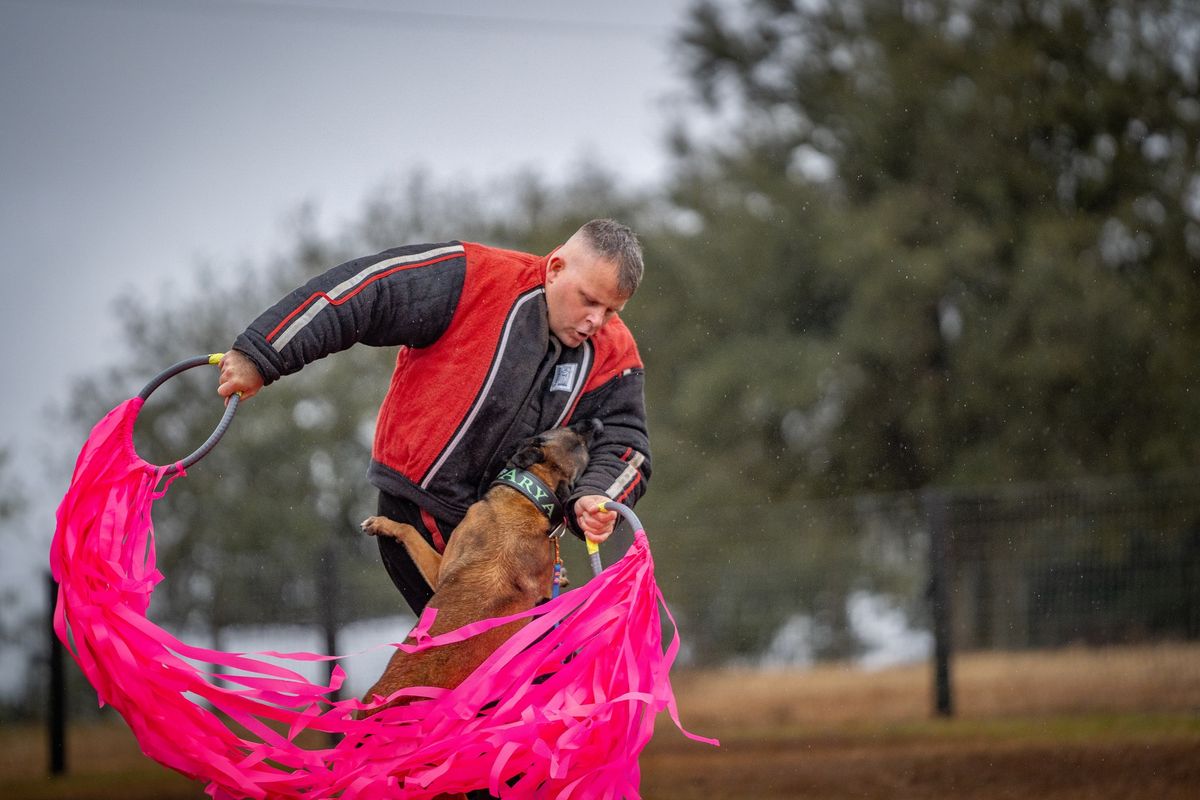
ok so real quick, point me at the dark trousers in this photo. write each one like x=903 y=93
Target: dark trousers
x=400 y=567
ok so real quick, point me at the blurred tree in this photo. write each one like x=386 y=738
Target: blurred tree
x=924 y=242
x=12 y=508
x=930 y=242
x=967 y=237
x=23 y=626
x=12 y=493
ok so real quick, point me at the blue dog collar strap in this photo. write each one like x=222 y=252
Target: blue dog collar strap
x=533 y=488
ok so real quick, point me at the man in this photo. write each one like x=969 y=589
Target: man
x=495 y=346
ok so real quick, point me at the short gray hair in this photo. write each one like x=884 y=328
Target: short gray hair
x=619 y=244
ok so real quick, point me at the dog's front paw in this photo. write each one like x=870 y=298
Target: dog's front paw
x=374 y=526
x=382 y=526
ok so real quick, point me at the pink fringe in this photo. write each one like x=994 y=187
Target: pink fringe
x=596 y=652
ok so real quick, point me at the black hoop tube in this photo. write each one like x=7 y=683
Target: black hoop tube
x=231 y=408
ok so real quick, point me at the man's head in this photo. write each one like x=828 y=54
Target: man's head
x=589 y=279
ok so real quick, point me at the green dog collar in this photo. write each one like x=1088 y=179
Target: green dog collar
x=532 y=487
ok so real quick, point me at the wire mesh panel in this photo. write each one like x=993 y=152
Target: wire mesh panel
x=1098 y=562
x=1036 y=566
x=792 y=583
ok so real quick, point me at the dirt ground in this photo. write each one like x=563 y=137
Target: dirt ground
x=831 y=768
x=1067 y=725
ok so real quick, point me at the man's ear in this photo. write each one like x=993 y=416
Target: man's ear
x=527 y=456
x=554 y=266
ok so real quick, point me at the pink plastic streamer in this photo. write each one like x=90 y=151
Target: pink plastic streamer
x=562 y=709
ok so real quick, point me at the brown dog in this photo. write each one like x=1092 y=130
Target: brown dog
x=498 y=561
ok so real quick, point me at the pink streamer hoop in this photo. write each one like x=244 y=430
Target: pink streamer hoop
x=563 y=709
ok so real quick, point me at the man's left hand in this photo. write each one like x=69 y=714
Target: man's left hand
x=596 y=525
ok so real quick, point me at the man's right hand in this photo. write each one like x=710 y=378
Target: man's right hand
x=239 y=376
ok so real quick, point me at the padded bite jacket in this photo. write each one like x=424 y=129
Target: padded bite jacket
x=477 y=371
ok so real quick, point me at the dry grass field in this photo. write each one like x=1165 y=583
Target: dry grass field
x=1066 y=725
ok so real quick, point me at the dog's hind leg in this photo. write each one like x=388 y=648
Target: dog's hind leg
x=428 y=560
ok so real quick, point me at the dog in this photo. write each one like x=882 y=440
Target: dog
x=498 y=561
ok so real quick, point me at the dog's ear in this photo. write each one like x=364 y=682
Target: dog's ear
x=528 y=455
x=588 y=429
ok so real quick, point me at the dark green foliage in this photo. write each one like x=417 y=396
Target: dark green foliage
x=929 y=243
x=940 y=242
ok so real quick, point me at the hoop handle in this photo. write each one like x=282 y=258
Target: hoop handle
x=231 y=408
x=625 y=511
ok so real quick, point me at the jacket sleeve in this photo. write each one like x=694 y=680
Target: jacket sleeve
x=619 y=466
x=403 y=296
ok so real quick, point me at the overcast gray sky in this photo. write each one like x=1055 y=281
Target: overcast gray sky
x=138 y=139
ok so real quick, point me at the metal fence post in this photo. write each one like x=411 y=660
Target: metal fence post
x=56 y=726
x=936 y=513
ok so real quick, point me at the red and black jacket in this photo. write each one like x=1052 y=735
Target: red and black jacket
x=477 y=372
